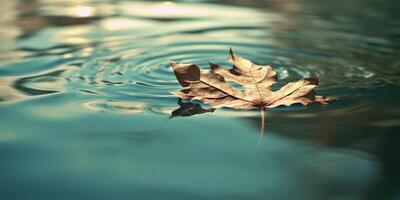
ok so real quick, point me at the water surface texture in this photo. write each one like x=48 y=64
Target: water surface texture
x=85 y=101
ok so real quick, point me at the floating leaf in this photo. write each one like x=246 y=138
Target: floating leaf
x=212 y=87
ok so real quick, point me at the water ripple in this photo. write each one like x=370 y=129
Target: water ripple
x=124 y=58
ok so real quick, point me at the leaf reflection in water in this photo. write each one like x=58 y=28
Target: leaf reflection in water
x=187 y=109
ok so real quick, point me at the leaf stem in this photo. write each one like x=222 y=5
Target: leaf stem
x=260 y=138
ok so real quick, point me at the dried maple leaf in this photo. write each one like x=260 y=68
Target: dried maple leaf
x=212 y=87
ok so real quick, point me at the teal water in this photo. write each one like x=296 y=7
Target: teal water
x=85 y=101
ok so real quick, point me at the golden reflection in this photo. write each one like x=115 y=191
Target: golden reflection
x=113 y=25
x=8 y=92
x=168 y=9
x=8 y=30
x=76 y=40
x=87 y=51
x=165 y=8
x=74 y=31
x=116 y=24
x=82 y=11
x=73 y=35
x=11 y=56
x=52 y=84
x=128 y=107
x=125 y=107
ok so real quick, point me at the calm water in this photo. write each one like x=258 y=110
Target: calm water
x=85 y=102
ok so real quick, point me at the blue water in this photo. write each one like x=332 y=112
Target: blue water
x=85 y=101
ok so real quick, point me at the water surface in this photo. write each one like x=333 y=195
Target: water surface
x=85 y=100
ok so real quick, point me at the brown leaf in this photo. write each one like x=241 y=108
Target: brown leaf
x=212 y=87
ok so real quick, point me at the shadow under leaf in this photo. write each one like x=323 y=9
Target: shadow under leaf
x=187 y=109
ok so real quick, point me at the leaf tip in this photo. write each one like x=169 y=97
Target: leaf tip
x=312 y=80
x=231 y=55
x=213 y=66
